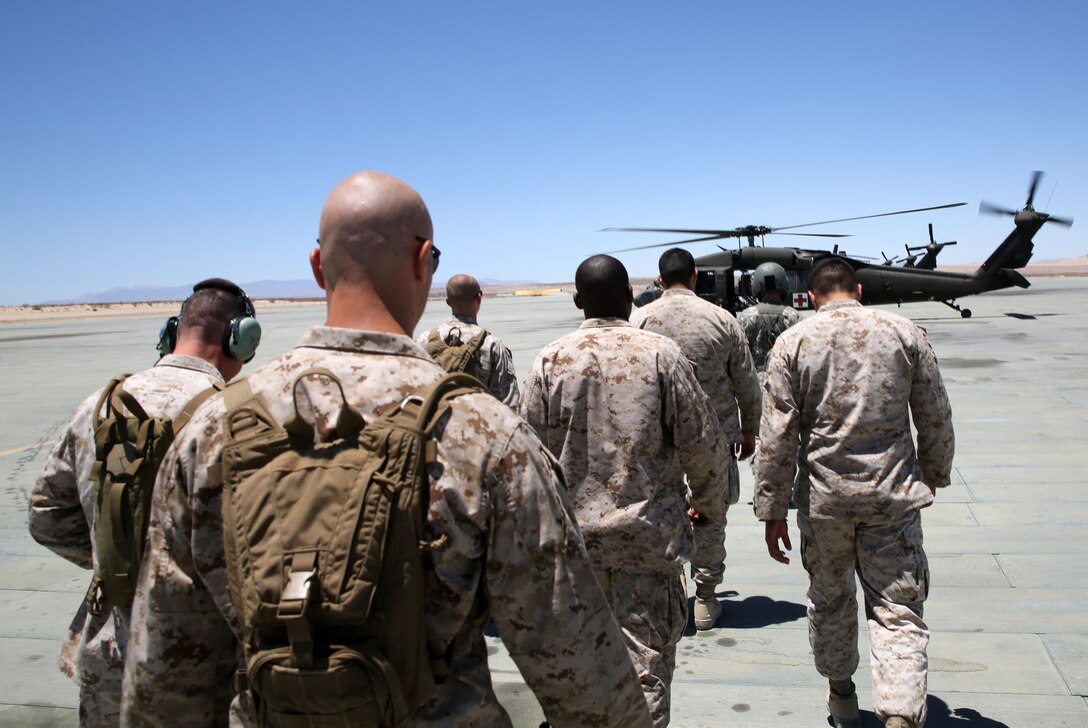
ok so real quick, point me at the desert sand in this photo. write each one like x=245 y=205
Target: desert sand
x=9 y=315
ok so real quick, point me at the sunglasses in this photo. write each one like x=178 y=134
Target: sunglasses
x=435 y=253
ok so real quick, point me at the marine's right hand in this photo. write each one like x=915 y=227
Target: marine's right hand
x=776 y=531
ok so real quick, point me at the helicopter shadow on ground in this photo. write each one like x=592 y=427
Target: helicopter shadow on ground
x=1029 y=316
x=750 y=613
x=980 y=319
x=940 y=716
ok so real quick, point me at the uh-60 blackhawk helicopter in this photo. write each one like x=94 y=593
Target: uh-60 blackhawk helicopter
x=880 y=282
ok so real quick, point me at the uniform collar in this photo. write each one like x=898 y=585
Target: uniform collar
x=463 y=320
x=368 y=342
x=601 y=323
x=843 y=303
x=194 y=363
x=678 y=291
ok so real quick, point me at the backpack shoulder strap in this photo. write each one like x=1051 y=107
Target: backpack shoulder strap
x=115 y=400
x=105 y=396
x=446 y=388
x=477 y=341
x=244 y=411
x=190 y=409
x=421 y=410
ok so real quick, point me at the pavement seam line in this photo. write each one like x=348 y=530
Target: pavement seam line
x=1004 y=570
x=1054 y=662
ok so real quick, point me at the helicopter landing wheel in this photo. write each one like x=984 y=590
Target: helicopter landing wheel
x=964 y=312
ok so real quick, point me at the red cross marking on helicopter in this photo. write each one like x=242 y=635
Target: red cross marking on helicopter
x=800 y=300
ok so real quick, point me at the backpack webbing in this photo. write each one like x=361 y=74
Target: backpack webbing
x=128 y=451
x=452 y=353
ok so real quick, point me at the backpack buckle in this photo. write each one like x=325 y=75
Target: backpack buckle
x=291 y=609
x=296 y=595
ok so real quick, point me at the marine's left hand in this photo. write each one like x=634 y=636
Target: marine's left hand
x=747 y=446
x=698 y=520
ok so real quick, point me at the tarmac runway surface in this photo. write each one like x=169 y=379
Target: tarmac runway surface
x=1006 y=542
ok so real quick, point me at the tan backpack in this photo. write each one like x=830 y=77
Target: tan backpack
x=326 y=557
x=452 y=353
x=128 y=451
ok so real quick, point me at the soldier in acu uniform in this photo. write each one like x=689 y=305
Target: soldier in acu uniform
x=840 y=390
x=615 y=404
x=492 y=362
x=715 y=344
x=499 y=523
x=63 y=499
x=765 y=322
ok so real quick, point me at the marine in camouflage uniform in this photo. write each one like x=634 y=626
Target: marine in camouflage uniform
x=838 y=390
x=615 y=404
x=62 y=507
x=494 y=362
x=714 y=342
x=496 y=503
x=763 y=324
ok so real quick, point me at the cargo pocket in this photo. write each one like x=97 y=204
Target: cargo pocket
x=347 y=687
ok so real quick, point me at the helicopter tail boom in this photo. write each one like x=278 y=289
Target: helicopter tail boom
x=1014 y=252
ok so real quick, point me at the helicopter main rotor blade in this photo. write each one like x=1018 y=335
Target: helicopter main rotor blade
x=718 y=233
x=662 y=245
x=816 y=235
x=991 y=209
x=866 y=217
x=1063 y=221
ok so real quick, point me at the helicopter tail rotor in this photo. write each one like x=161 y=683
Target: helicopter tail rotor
x=988 y=209
x=1063 y=221
x=991 y=209
x=1035 y=177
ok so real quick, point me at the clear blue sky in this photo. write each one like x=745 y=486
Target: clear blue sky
x=159 y=143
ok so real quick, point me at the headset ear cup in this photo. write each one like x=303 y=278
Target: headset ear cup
x=242 y=338
x=168 y=336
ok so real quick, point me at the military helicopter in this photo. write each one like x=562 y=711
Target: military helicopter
x=928 y=260
x=880 y=284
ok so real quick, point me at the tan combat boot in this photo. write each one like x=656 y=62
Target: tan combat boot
x=707 y=612
x=842 y=703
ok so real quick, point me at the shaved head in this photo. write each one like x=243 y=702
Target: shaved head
x=376 y=256
x=370 y=222
x=463 y=295
x=603 y=288
x=461 y=289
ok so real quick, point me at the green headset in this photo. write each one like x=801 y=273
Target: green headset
x=242 y=335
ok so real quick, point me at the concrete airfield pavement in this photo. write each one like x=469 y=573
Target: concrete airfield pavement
x=1009 y=643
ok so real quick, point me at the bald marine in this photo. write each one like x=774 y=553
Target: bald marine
x=376 y=255
x=461 y=344
x=463 y=295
